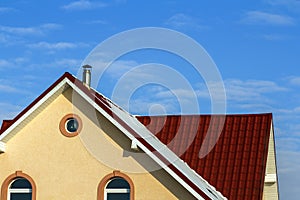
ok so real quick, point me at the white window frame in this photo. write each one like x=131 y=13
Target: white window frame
x=114 y=190
x=16 y=190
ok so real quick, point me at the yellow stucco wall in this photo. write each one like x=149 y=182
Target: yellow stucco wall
x=63 y=168
x=271 y=189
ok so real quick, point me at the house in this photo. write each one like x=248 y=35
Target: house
x=73 y=143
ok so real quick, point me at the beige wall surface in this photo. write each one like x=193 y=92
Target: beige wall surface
x=271 y=189
x=72 y=168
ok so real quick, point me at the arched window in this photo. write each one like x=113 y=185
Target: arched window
x=18 y=186
x=117 y=189
x=116 y=186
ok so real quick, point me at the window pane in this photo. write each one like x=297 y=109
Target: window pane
x=120 y=196
x=72 y=125
x=20 y=183
x=118 y=183
x=20 y=196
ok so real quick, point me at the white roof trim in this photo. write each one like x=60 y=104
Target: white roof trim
x=139 y=128
x=2 y=147
x=33 y=108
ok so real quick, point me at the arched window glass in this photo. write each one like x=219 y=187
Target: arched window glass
x=116 y=186
x=20 y=189
x=117 y=189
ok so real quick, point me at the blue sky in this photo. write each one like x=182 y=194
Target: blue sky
x=254 y=43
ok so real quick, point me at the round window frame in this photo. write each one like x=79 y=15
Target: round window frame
x=63 y=128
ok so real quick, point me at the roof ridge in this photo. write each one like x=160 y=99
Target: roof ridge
x=206 y=114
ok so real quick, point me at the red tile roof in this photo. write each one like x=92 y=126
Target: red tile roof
x=237 y=163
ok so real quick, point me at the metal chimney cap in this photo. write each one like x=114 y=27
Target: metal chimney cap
x=87 y=67
x=86 y=75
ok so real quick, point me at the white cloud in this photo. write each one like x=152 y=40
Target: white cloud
x=288 y=164
x=181 y=20
x=180 y=93
x=258 y=96
x=273 y=37
x=243 y=91
x=115 y=70
x=163 y=85
x=149 y=107
x=264 y=18
x=248 y=95
x=34 y=30
x=288 y=143
x=7 y=89
x=4 y=63
x=239 y=90
x=67 y=63
x=96 y=22
x=158 y=101
x=83 y=5
x=8 y=39
x=21 y=30
x=50 y=26
x=12 y=63
x=6 y=9
x=295 y=110
x=294 y=80
x=54 y=46
x=8 y=111
x=3 y=38
x=286 y=119
x=290 y=4
x=7 y=86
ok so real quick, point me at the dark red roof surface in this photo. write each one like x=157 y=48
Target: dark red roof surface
x=6 y=124
x=236 y=165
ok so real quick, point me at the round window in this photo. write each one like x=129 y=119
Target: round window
x=70 y=125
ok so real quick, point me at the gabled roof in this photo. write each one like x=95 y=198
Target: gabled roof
x=236 y=165
x=127 y=123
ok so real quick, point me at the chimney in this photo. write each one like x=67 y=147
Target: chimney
x=86 y=76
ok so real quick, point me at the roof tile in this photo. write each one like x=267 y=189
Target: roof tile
x=236 y=164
